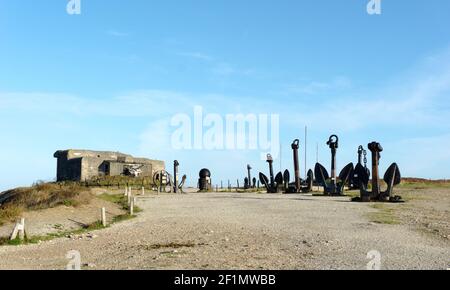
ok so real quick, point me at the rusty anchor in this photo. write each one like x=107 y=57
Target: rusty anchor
x=248 y=179
x=392 y=177
x=165 y=182
x=299 y=185
x=281 y=182
x=355 y=178
x=270 y=184
x=177 y=187
x=333 y=185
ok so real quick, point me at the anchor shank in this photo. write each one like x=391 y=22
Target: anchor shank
x=249 y=176
x=175 y=176
x=375 y=148
x=333 y=165
x=295 y=147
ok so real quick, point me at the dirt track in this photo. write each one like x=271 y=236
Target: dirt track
x=245 y=231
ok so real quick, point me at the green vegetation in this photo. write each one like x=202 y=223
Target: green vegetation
x=41 y=196
x=37 y=239
x=120 y=200
x=384 y=215
x=119 y=182
x=49 y=195
x=416 y=183
x=86 y=229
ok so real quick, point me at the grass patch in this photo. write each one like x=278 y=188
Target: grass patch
x=86 y=229
x=41 y=196
x=120 y=200
x=418 y=183
x=10 y=211
x=384 y=214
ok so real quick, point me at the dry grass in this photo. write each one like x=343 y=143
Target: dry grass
x=41 y=196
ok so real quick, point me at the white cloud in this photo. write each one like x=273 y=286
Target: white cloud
x=417 y=102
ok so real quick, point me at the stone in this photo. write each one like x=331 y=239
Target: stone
x=81 y=165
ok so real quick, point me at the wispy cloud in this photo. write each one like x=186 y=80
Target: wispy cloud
x=216 y=67
x=308 y=87
x=417 y=103
x=197 y=55
x=117 y=33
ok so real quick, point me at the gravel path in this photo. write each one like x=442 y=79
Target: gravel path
x=242 y=231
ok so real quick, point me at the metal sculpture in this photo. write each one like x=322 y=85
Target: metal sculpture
x=204 y=182
x=392 y=177
x=162 y=180
x=246 y=183
x=333 y=185
x=355 y=178
x=299 y=185
x=248 y=179
x=282 y=180
x=167 y=183
x=177 y=187
x=270 y=184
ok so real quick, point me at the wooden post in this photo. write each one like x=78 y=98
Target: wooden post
x=19 y=229
x=104 y=217
x=132 y=207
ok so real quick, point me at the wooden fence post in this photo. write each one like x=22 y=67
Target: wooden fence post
x=104 y=217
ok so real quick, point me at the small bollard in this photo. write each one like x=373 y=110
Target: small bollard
x=19 y=230
x=129 y=195
x=126 y=191
x=143 y=191
x=132 y=207
x=104 y=217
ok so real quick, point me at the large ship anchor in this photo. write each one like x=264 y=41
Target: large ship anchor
x=392 y=177
x=333 y=185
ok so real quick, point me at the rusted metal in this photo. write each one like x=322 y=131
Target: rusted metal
x=281 y=182
x=175 y=176
x=295 y=146
x=392 y=177
x=248 y=179
x=355 y=178
x=204 y=181
x=162 y=181
x=165 y=182
x=246 y=183
x=299 y=185
x=333 y=185
x=269 y=184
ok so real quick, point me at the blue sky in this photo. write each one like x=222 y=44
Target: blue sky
x=113 y=77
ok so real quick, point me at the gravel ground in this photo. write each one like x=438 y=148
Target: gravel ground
x=243 y=231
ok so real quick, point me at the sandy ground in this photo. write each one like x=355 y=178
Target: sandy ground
x=63 y=218
x=252 y=231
